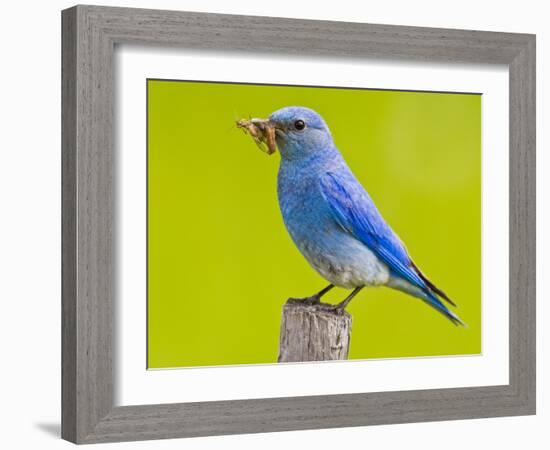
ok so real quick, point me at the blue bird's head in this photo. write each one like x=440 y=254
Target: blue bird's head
x=300 y=132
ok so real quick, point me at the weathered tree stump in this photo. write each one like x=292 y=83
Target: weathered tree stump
x=313 y=333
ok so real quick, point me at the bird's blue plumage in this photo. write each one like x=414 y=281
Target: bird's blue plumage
x=356 y=213
x=332 y=219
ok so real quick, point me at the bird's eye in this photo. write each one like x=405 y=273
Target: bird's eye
x=299 y=125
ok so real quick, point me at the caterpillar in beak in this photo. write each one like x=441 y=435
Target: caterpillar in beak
x=262 y=132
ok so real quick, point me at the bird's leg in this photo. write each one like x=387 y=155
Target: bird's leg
x=314 y=299
x=342 y=305
x=323 y=292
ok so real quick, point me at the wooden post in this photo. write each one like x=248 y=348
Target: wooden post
x=313 y=333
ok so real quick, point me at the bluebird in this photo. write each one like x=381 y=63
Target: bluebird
x=330 y=216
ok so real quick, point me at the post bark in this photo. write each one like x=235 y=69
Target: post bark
x=313 y=333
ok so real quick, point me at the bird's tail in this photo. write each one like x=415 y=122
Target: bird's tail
x=431 y=299
x=431 y=294
x=428 y=296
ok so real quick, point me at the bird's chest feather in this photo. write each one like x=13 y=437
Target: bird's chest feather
x=302 y=205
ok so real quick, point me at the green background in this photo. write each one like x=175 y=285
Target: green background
x=220 y=262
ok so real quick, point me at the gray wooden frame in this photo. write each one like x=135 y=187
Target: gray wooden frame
x=89 y=36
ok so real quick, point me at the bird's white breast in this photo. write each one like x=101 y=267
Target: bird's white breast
x=350 y=266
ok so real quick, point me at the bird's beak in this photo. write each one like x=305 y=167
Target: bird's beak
x=263 y=131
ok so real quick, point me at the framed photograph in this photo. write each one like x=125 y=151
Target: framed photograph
x=279 y=224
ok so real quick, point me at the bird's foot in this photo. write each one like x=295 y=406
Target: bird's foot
x=313 y=300
x=336 y=309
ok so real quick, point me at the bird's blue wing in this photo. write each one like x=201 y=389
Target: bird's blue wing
x=355 y=212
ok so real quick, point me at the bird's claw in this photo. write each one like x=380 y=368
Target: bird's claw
x=313 y=300
x=337 y=309
x=340 y=310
